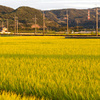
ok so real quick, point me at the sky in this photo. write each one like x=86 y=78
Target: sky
x=51 y=4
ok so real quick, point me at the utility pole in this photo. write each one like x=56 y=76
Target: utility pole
x=35 y=20
x=67 y=23
x=2 y=24
x=43 y=23
x=7 y=25
x=77 y=25
x=17 y=25
x=96 y=21
x=35 y=24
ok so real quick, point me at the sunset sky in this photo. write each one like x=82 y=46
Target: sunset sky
x=51 y=4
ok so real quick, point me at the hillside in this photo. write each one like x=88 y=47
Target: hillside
x=4 y=9
x=75 y=15
x=26 y=14
x=54 y=18
x=26 y=17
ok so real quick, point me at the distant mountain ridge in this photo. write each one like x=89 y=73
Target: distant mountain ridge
x=25 y=16
x=76 y=16
x=54 y=18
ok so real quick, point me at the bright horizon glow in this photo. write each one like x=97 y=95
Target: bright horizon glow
x=51 y=4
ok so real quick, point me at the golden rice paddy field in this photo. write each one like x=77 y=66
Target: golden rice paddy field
x=53 y=68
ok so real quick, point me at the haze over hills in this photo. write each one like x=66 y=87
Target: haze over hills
x=54 y=18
